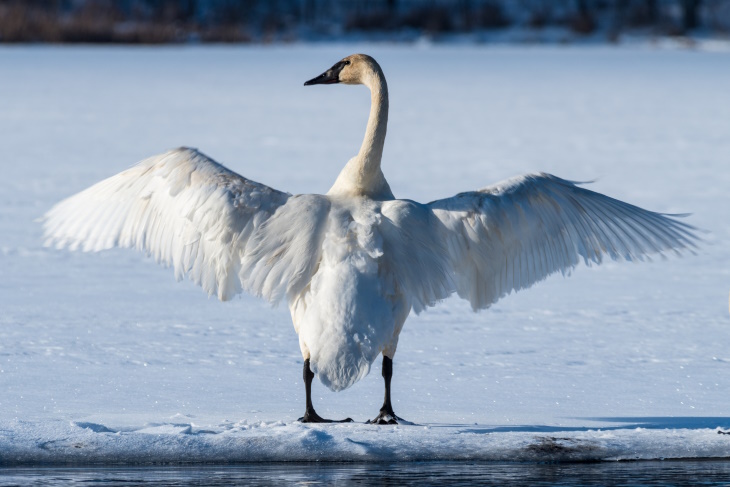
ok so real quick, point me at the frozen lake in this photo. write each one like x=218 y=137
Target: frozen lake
x=106 y=358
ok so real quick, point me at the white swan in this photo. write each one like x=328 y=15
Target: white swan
x=353 y=263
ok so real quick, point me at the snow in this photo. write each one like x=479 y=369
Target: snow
x=105 y=358
x=59 y=442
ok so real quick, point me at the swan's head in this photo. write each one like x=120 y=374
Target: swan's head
x=353 y=70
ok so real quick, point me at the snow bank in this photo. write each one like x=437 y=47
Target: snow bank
x=61 y=442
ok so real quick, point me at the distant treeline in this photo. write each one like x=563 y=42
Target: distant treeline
x=176 y=21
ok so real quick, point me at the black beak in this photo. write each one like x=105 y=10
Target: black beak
x=330 y=76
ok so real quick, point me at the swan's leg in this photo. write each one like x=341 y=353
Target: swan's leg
x=387 y=416
x=310 y=415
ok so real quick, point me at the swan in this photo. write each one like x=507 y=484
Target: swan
x=353 y=263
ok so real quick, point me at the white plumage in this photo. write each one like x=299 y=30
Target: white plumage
x=353 y=263
x=508 y=236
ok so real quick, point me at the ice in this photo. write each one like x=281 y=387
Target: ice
x=105 y=358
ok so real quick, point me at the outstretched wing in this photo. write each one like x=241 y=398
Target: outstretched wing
x=507 y=237
x=184 y=209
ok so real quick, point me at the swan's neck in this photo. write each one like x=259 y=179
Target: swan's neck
x=371 y=150
x=362 y=175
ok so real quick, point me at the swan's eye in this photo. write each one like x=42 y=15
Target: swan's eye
x=347 y=63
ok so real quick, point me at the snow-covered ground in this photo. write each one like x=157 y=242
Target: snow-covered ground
x=105 y=358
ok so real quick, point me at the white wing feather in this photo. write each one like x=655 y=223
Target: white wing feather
x=284 y=253
x=508 y=236
x=414 y=254
x=181 y=207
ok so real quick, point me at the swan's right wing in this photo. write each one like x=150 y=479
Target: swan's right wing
x=197 y=216
x=507 y=237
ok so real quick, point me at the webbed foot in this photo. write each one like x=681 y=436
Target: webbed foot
x=311 y=416
x=386 y=417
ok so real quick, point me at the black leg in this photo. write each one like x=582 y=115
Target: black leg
x=310 y=415
x=387 y=416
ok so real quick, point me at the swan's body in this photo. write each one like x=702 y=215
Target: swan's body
x=353 y=263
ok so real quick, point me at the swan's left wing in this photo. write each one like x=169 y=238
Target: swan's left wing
x=506 y=237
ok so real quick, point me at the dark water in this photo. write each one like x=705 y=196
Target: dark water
x=669 y=473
